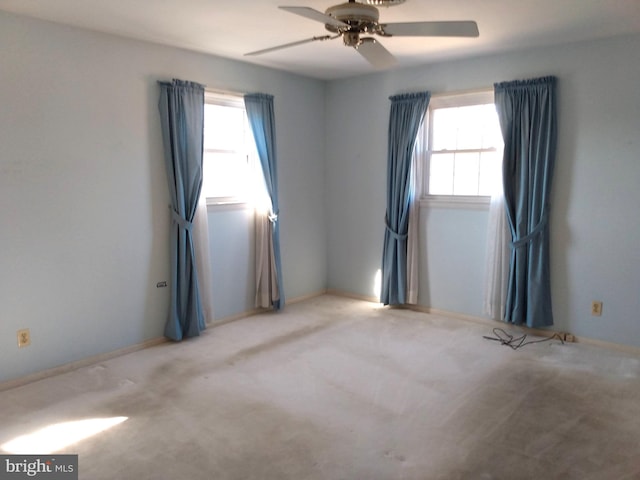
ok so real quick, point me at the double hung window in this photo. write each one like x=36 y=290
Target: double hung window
x=464 y=146
x=230 y=167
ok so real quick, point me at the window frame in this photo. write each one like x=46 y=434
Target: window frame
x=447 y=100
x=234 y=100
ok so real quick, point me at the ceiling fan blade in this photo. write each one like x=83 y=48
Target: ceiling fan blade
x=315 y=15
x=375 y=53
x=292 y=44
x=432 y=29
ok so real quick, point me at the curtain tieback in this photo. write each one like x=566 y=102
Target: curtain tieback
x=527 y=238
x=181 y=221
x=273 y=217
x=392 y=232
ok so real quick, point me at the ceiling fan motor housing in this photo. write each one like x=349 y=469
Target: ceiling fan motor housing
x=360 y=18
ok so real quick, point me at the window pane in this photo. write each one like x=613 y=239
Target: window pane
x=225 y=174
x=490 y=172
x=441 y=174
x=465 y=174
x=470 y=121
x=491 y=134
x=444 y=129
x=223 y=127
x=471 y=133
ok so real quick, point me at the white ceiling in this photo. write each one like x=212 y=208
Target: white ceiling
x=234 y=27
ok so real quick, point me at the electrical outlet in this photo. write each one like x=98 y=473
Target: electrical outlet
x=596 y=308
x=24 y=338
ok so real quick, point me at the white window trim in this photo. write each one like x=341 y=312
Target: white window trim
x=225 y=99
x=461 y=99
x=227 y=202
x=214 y=204
x=444 y=100
x=468 y=202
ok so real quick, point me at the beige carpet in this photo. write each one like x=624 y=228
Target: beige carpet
x=333 y=389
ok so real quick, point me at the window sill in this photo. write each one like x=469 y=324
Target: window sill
x=456 y=201
x=228 y=203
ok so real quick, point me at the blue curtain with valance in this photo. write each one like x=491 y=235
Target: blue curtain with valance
x=407 y=112
x=527 y=114
x=181 y=108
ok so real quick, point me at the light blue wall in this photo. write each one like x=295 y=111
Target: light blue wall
x=596 y=199
x=84 y=220
x=453 y=258
x=231 y=240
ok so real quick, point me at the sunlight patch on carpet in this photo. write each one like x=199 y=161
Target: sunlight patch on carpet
x=55 y=437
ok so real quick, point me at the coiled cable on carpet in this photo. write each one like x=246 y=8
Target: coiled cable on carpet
x=517 y=342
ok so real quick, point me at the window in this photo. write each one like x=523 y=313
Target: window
x=464 y=146
x=231 y=171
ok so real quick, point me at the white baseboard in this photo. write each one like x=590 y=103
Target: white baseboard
x=95 y=359
x=236 y=316
x=628 y=349
x=85 y=362
x=256 y=311
x=302 y=298
x=355 y=296
x=92 y=360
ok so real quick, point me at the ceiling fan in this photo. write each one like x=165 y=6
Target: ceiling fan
x=357 y=22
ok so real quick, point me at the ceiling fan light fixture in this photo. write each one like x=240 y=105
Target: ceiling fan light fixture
x=384 y=3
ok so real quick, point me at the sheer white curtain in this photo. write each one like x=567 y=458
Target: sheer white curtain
x=266 y=270
x=413 y=236
x=266 y=279
x=497 y=259
x=203 y=258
